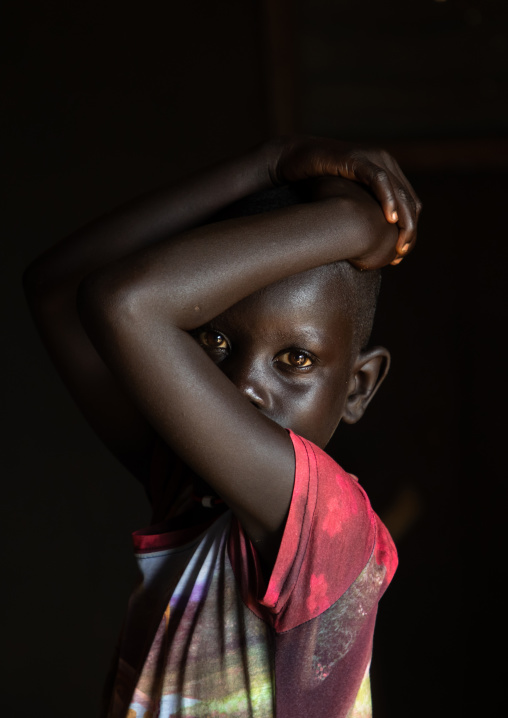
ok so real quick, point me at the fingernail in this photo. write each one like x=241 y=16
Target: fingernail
x=405 y=247
x=395 y=216
x=397 y=261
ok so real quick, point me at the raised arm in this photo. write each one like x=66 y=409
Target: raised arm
x=51 y=282
x=139 y=312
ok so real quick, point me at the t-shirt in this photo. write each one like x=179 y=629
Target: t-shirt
x=205 y=636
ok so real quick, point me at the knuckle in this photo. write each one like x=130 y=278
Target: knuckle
x=354 y=157
x=355 y=161
x=404 y=195
x=410 y=234
x=407 y=199
x=379 y=175
x=410 y=224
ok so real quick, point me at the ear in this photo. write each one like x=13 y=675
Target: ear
x=369 y=371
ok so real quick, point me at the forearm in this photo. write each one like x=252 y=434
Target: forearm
x=139 y=310
x=138 y=313
x=194 y=277
x=147 y=220
x=147 y=273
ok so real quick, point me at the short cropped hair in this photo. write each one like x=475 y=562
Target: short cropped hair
x=361 y=286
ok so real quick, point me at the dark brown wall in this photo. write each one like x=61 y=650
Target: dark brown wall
x=104 y=100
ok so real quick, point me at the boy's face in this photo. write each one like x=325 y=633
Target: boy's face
x=289 y=350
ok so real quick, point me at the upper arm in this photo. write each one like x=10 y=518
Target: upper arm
x=245 y=456
x=97 y=392
x=138 y=312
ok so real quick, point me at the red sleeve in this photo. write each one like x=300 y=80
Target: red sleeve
x=330 y=534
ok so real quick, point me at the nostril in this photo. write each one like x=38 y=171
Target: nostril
x=253 y=396
x=248 y=382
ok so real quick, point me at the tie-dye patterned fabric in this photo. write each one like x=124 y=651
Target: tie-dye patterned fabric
x=205 y=637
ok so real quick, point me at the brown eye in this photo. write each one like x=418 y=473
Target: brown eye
x=213 y=340
x=296 y=358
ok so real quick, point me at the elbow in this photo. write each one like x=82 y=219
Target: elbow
x=96 y=303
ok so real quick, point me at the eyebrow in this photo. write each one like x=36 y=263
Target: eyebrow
x=301 y=334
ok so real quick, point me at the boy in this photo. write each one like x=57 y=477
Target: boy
x=228 y=353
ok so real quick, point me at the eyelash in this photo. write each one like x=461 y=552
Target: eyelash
x=294 y=367
x=200 y=337
x=220 y=353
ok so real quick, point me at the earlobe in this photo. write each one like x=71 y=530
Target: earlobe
x=369 y=371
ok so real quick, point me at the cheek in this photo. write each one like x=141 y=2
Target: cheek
x=328 y=417
x=314 y=411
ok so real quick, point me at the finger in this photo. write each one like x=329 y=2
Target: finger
x=380 y=182
x=402 y=180
x=406 y=242
x=408 y=217
x=402 y=252
x=407 y=203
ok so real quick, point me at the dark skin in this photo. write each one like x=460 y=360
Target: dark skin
x=290 y=350
x=149 y=283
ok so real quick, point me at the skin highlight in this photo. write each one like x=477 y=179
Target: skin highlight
x=116 y=301
x=290 y=349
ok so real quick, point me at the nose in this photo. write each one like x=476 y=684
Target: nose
x=249 y=378
x=253 y=395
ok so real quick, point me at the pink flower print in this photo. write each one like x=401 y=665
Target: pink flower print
x=318 y=600
x=332 y=522
x=349 y=492
x=322 y=672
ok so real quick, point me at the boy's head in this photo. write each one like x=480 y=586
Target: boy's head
x=298 y=348
x=362 y=287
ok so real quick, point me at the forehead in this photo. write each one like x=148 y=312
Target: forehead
x=309 y=302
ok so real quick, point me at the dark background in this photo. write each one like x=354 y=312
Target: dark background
x=103 y=100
